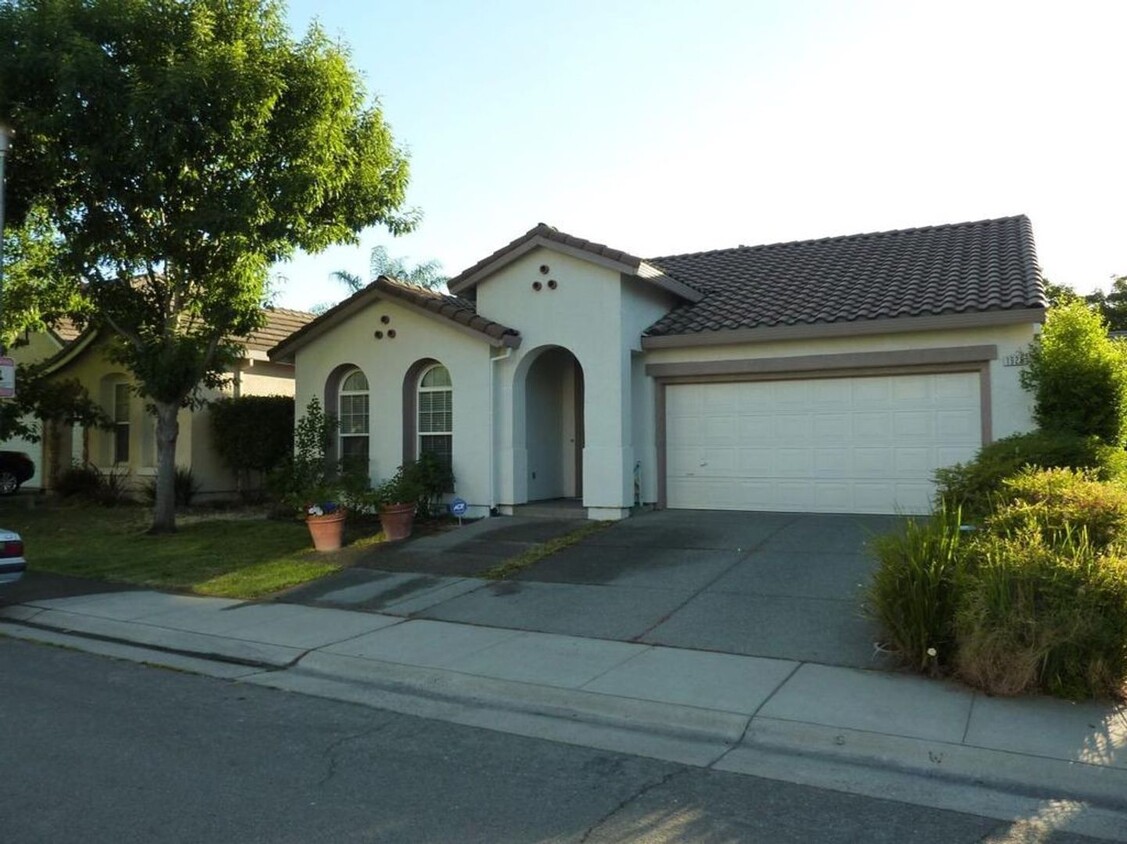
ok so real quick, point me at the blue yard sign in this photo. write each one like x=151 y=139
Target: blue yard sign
x=458 y=507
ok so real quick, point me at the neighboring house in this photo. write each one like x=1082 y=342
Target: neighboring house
x=830 y=375
x=129 y=447
x=36 y=347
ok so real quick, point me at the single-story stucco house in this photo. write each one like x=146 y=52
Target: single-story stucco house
x=129 y=447
x=829 y=375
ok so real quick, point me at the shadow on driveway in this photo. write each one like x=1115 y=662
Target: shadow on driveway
x=781 y=585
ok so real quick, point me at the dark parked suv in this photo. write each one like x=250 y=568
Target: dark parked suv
x=15 y=468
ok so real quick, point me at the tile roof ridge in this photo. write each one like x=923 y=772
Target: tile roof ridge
x=280 y=310
x=1020 y=218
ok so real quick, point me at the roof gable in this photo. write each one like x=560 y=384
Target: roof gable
x=455 y=312
x=974 y=267
x=548 y=237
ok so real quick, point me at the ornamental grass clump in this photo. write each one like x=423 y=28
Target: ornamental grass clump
x=912 y=594
x=1044 y=611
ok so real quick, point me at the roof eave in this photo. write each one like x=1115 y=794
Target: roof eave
x=855 y=328
x=67 y=354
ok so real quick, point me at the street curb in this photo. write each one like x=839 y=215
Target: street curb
x=996 y=783
x=1013 y=773
x=161 y=639
x=684 y=734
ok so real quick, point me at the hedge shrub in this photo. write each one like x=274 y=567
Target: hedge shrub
x=1078 y=375
x=971 y=487
x=1035 y=599
x=253 y=434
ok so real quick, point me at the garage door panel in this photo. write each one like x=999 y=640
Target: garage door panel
x=832 y=428
x=965 y=426
x=721 y=430
x=872 y=427
x=794 y=428
x=824 y=445
x=832 y=463
x=915 y=425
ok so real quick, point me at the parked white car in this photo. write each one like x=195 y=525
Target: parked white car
x=12 y=562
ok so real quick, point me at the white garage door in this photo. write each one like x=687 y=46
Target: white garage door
x=835 y=445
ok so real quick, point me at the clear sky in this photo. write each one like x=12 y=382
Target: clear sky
x=661 y=127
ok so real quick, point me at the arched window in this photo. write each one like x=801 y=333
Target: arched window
x=352 y=411
x=435 y=422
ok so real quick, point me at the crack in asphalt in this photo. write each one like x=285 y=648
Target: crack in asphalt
x=331 y=751
x=645 y=789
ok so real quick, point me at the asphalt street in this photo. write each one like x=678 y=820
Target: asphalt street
x=93 y=749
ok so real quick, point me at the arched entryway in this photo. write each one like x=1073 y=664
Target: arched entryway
x=553 y=425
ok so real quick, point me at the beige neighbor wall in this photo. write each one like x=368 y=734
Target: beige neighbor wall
x=597 y=316
x=37 y=347
x=1011 y=406
x=385 y=363
x=194 y=444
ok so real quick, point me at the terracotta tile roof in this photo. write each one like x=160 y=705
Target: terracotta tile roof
x=280 y=324
x=546 y=232
x=978 y=266
x=453 y=308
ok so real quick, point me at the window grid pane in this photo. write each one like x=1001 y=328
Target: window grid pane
x=356 y=382
x=437 y=376
x=121 y=403
x=353 y=415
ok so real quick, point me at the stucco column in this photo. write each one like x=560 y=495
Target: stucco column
x=608 y=455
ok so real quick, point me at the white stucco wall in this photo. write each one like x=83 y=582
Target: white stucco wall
x=385 y=362
x=598 y=317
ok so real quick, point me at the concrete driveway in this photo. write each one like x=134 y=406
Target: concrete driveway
x=780 y=585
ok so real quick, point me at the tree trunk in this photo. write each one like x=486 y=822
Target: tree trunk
x=168 y=428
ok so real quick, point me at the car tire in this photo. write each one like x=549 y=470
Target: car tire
x=9 y=483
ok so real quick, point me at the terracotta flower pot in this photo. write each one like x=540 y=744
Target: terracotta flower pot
x=397 y=520
x=327 y=531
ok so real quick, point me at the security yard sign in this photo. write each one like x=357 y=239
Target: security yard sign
x=7 y=378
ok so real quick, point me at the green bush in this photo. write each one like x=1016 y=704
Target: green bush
x=1078 y=375
x=972 y=486
x=1043 y=612
x=1057 y=503
x=184 y=484
x=88 y=483
x=253 y=434
x=912 y=594
x=80 y=480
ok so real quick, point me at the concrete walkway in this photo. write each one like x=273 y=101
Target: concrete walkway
x=892 y=735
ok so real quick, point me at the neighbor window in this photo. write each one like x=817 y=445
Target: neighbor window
x=436 y=414
x=120 y=423
x=353 y=415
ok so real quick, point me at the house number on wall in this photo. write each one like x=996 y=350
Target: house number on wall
x=1016 y=359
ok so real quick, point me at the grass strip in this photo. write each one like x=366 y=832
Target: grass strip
x=517 y=564
x=236 y=557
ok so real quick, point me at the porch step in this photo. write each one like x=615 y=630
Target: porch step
x=559 y=508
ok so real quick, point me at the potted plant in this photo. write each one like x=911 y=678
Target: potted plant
x=397 y=500
x=310 y=484
x=414 y=490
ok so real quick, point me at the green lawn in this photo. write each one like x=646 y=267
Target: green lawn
x=238 y=555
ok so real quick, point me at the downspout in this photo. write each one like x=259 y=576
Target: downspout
x=508 y=351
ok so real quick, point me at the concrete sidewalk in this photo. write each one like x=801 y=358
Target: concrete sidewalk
x=839 y=727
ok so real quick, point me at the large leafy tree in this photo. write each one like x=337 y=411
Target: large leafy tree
x=1113 y=304
x=179 y=148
